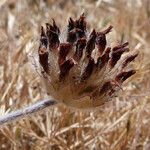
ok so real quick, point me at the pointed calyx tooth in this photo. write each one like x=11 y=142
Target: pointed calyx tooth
x=71 y=36
x=42 y=51
x=80 y=25
x=81 y=43
x=120 y=46
x=71 y=32
x=129 y=59
x=65 y=68
x=43 y=58
x=76 y=29
x=43 y=39
x=107 y=88
x=64 y=49
x=53 y=32
x=101 y=41
x=121 y=77
x=90 y=46
x=43 y=34
x=116 y=54
x=107 y=30
x=102 y=60
x=71 y=24
x=87 y=70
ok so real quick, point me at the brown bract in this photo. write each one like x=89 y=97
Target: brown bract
x=83 y=71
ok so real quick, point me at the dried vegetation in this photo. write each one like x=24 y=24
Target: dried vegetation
x=121 y=124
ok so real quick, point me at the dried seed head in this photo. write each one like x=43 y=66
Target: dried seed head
x=82 y=72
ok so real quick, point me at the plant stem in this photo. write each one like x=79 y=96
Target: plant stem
x=22 y=113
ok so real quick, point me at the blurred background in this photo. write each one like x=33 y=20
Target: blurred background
x=120 y=125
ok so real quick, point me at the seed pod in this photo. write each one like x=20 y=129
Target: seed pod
x=79 y=85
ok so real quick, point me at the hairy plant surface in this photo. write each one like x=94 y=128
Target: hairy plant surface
x=83 y=71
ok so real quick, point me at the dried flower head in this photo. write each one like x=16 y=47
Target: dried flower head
x=82 y=72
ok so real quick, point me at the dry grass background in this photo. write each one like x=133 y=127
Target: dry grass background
x=119 y=125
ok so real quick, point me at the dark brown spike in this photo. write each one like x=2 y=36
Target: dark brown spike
x=43 y=32
x=101 y=43
x=65 y=68
x=81 y=43
x=53 y=41
x=80 y=33
x=88 y=70
x=81 y=23
x=102 y=60
x=43 y=58
x=116 y=55
x=120 y=46
x=128 y=59
x=71 y=24
x=52 y=32
x=71 y=36
x=91 y=43
x=55 y=27
x=53 y=38
x=43 y=39
x=121 y=77
x=106 y=87
x=107 y=30
x=64 y=49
